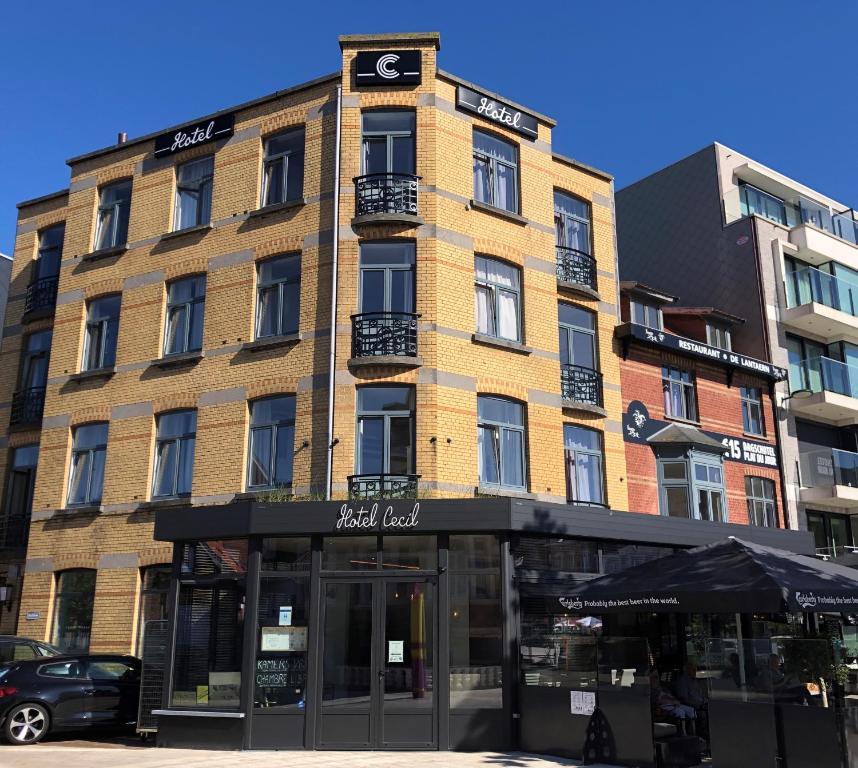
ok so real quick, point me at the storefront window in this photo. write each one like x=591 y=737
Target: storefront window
x=476 y=627
x=208 y=643
x=73 y=610
x=414 y=553
x=350 y=553
x=280 y=675
x=153 y=599
x=286 y=554
x=541 y=553
x=212 y=558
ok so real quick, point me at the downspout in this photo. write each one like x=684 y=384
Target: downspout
x=334 y=268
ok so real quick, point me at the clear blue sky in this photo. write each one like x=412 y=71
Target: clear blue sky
x=633 y=84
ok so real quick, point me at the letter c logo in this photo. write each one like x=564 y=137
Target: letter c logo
x=384 y=66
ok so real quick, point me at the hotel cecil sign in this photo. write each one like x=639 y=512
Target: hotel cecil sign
x=387 y=68
x=497 y=112
x=375 y=518
x=195 y=134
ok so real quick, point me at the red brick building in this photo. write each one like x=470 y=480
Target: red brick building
x=700 y=434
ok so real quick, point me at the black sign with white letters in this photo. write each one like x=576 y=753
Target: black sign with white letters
x=195 y=134
x=388 y=68
x=496 y=111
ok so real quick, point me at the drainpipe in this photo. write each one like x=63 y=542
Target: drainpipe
x=334 y=264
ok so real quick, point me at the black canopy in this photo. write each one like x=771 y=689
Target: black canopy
x=730 y=576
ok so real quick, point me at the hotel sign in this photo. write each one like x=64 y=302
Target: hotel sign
x=387 y=68
x=194 y=134
x=638 y=427
x=703 y=351
x=497 y=112
x=373 y=517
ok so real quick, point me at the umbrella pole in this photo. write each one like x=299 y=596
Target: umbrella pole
x=740 y=641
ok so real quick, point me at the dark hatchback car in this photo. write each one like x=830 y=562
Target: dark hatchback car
x=50 y=694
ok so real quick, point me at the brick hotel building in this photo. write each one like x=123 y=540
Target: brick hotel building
x=226 y=339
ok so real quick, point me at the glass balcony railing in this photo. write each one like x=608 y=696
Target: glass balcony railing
x=820 y=374
x=828 y=467
x=812 y=285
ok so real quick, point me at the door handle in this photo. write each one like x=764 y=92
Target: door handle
x=381 y=674
x=89 y=692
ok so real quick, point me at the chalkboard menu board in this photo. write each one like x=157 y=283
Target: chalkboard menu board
x=280 y=680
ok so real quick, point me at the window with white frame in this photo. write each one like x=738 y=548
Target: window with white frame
x=283 y=167
x=572 y=222
x=194 y=193
x=680 y=401
x=585 y=482
x=752 y=410
x=114 y=208
x=498 y=298
x=645 y=314
x=501 y=442
x=760 y=493
x=495 y=171
x=692 y=485
x=718 y=335
x=102 y=331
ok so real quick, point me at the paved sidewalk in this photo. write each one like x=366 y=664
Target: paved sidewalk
x=70 y=754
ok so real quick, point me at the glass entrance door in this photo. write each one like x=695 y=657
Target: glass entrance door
x=378 y=663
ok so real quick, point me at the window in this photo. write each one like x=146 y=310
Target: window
x=388 y=141
x=50 y=253
x=752 y=410
x=272 y=442
x=755 y=201
x=73 y=612
x=500 y=442
x=278 y=294
x=577 y=336
x=21 y=482
x=102 y=330
x=498 y=299
x=113 y=210
x=584 y=477
x=34 y=361
x=112 y=671
x=645 y=314
x=495 y=171
x=186 y=302
x=572 y=222
x=761 y=502
x=692 y=487
x=385 y=431
x=66 y=669
x=194 y=193
x=387 y=277
x=155 y=586
x=283 y=167
x=805 y=367
x=476 y=623
x=718 y=336
x=679 y=398
x=174 y=453
x=89 y=449
x=832 y=533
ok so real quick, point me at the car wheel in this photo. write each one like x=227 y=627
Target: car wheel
x=26 y=724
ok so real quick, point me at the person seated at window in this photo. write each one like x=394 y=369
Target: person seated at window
x=688 y=688
x=665 y=704
x=786 y=688
x=772 y=677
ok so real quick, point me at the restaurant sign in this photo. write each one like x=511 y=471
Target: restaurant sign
x=496 y=111
x=375 y=518
x=387 y=68
x=193 y=135
x=704 y=351
x=639 y=427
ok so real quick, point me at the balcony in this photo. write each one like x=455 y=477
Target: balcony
x=820 y=304
x=381 y=197
x=385 y=338
x=834 y=387
x=27 y=407
x=581 y=388
x=41 y=297
x=383 y=486
x=829 y=476
x=576 y=270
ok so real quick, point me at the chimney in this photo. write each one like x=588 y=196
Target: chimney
x=121 y=137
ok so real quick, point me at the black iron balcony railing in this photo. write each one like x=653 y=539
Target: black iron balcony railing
x=27 y=406
x=383 y=486
x=41 y=294
x=386 y=193
x=580 y=384
x=384 y=333
x=575 y=266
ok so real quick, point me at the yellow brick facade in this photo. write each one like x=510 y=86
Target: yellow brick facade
x=117 y=538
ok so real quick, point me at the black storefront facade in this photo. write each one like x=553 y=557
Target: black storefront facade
x=395 y=624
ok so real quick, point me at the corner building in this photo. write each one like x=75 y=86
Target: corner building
x=329 y=538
